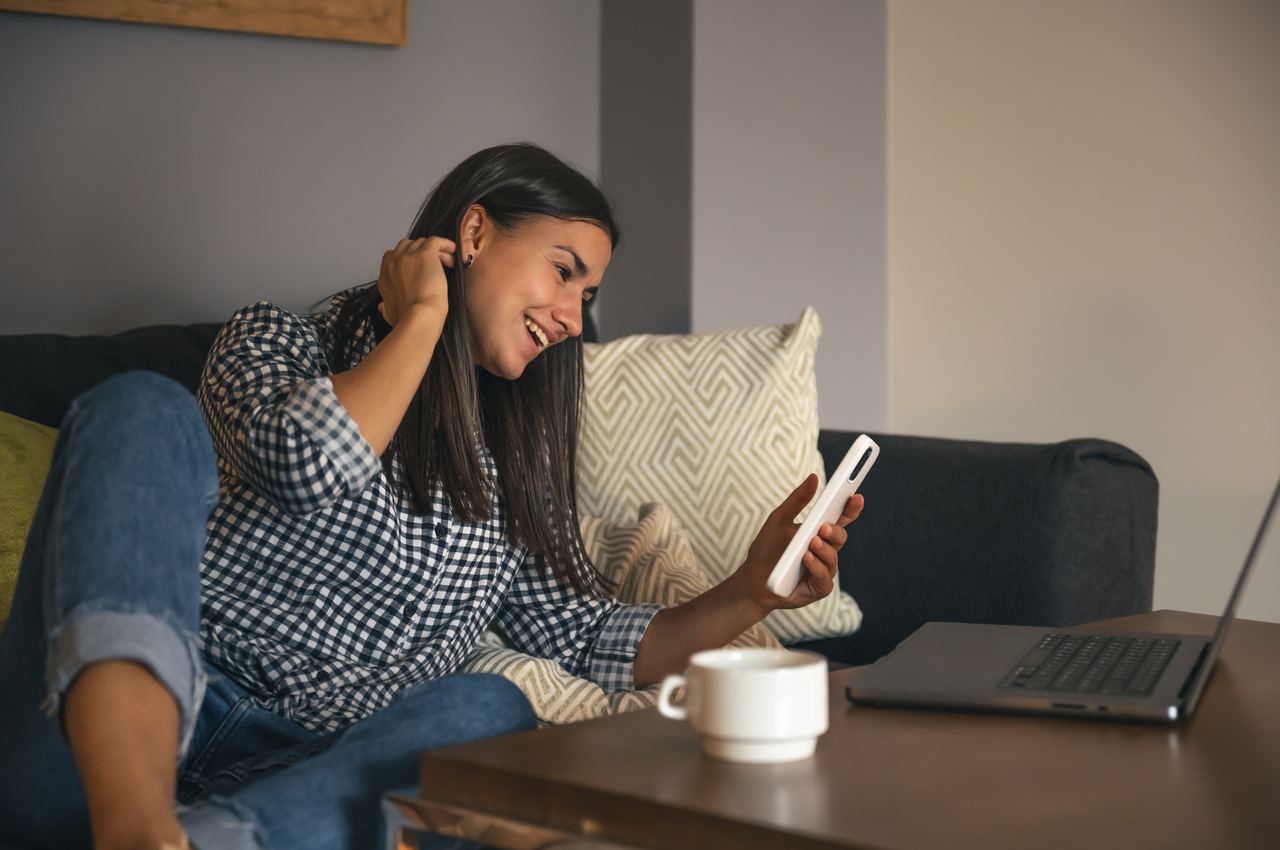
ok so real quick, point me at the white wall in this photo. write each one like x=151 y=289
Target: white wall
x=164 y=174
x=789 y=184
x=1084 y=240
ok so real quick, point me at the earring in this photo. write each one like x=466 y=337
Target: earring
x=469 y=260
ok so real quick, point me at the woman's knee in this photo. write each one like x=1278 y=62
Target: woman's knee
x=479 y=704
x=133 y=385
x=138 y=397
x=150 y=410
x=498 y=699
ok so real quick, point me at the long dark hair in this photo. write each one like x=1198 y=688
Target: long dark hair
x=530 y=424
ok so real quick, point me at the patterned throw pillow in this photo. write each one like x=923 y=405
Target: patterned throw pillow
x=719 y=427
x=644 y=560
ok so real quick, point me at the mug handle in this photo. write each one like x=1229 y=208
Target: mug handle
x=665 y=706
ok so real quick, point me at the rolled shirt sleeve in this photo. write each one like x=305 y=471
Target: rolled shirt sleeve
x=275 y=421
x=611 y=663
x=596 y=639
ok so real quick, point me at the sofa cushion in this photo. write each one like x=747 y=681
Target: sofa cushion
x=26 y=452
x=719 y=427
x=646 y=559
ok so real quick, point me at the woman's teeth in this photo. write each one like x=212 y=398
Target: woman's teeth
x=536 y=331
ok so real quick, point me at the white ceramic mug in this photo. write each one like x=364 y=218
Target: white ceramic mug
x=752 y=705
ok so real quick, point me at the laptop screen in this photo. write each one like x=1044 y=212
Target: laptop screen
x=1220 y=635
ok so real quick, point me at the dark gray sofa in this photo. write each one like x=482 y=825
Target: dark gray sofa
x=1050 y=535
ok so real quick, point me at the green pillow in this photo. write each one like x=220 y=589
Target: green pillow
x=26 y=452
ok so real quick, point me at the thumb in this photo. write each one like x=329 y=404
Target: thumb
x=799 y=497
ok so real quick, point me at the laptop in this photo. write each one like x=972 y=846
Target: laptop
x=1073 y=672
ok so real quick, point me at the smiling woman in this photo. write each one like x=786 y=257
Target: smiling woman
x=532 y=238
x=317 y=540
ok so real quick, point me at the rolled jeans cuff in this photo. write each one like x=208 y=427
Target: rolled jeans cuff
x=170 y=653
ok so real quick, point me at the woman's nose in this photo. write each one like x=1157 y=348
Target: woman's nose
x=570 y=317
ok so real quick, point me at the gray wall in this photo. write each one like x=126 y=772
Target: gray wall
x=789 y=184
x=163 y=174
x=646 y=162
x=744 y=144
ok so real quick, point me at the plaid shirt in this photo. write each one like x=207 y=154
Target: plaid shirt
x=323 y=594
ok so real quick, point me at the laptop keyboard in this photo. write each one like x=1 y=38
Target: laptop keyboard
x=1092 y=664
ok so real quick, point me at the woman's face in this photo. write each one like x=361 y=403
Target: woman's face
x=530 y=273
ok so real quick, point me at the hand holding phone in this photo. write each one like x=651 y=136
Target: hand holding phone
x=844 y=483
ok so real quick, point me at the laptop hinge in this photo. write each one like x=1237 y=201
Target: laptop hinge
x=1193 y=675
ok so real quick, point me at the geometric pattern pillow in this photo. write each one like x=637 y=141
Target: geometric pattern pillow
x=719 y=427
x=645 y=560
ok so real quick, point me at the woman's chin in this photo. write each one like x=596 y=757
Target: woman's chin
x=508 y=371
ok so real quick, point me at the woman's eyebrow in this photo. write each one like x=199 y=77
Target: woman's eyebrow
x=577 y=261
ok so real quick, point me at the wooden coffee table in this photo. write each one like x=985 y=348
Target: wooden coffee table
x=889 y=778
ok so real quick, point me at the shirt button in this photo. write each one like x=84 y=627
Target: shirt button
x=409 y=609
x=441 y=529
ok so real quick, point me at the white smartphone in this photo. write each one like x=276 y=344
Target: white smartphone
x=831 y=501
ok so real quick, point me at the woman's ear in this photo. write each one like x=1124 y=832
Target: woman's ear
x=474 y=231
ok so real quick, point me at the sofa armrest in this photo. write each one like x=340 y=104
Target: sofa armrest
x=1027 y=534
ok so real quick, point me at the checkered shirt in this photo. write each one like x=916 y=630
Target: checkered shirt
x=323 y=593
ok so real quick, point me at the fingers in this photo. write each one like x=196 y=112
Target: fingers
x=423 y=243
x=827 y=550
x=852 y=509
x=822 y=569
x=444 y=248
x=834 y=534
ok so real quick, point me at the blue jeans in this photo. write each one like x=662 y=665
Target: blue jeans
x=111 y=571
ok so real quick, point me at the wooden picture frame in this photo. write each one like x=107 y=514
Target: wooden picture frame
x=368 y=21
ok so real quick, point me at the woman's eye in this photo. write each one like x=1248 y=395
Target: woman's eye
x=565 y=274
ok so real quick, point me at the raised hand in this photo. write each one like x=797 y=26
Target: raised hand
x=821 y=561
x=412 y=277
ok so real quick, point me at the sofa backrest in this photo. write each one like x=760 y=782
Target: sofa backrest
x=40 y=374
